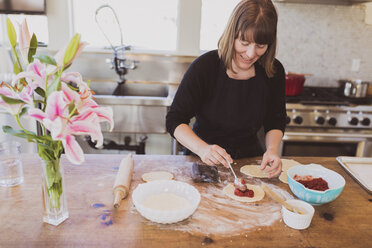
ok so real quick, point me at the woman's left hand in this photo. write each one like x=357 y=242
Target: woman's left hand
x=272 y=160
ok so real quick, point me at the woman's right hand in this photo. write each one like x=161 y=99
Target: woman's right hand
x=214 y=155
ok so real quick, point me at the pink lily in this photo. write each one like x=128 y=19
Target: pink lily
x=35 y=75
x=76 y=78
x=25 y=96
x=62 y=125
x=73 y=150
x=24 y=40
x=84 y=104
x=87 y=123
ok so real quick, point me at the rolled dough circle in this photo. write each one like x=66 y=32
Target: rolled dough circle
x=253 y=171
x=258 y=193
x=166 y=202
x=283 y=177
x=157 y=175
x=288 y=163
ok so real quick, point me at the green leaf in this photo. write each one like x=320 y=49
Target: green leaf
x=30 y=136
x=20 y=133
x=11 y=33
x=32 y=49
x=23 y=111
x=11 y=101
x=67 y=66
x=71 y=49
x=40 y=91
x=45 y=59
x=71 y=106
x=56 y=85
x=16 y=68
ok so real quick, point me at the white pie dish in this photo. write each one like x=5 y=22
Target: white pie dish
x=181 y=189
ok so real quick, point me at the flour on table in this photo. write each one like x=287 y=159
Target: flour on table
x=157 y=175
x=253 y=171
x=166 y=202
x=216 y=215
x=258 y=193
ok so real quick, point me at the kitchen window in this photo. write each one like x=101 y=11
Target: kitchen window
x=145 y=24
x=37 y=24
x=214 y=17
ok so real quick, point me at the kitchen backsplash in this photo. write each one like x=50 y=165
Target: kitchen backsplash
x=323 y=40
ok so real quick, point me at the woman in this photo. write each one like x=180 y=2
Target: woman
x=233 y=92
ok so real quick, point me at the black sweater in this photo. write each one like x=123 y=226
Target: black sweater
x=229 y=112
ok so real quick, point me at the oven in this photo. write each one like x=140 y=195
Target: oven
x=321 y=123
x=326 y=144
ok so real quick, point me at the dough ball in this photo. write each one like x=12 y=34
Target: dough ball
x=253 y=171
x=157 y=175
x=258 y=193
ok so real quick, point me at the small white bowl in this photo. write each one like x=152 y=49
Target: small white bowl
x=145 y=190
x=295 y=220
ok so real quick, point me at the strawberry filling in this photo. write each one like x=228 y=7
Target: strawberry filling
x=247 y=193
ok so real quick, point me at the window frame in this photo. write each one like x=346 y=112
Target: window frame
x=188 y=29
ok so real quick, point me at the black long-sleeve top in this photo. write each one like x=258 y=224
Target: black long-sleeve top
x=229 y=112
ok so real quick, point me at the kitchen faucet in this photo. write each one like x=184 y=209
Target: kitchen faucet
x=120 y=63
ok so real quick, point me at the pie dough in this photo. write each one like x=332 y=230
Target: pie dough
x=166 y=202
x=283 y=177
x=253 y=171
x=288 y=163
x=258 y=193
x=157 y=175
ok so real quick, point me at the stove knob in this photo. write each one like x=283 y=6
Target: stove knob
x=288 y=120
x=332 y=121
x=319 y=120
x=354 y=121
x=297 y=119
x=366 y=122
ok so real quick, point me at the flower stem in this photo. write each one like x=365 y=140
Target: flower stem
x=16 y=116
x=17 y=58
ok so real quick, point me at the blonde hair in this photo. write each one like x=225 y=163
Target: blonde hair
x=259 y=17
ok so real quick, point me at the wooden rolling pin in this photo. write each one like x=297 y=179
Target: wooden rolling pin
x=123 y=180
x=277 y=198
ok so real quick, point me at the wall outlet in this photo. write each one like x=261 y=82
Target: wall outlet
x=355 y=65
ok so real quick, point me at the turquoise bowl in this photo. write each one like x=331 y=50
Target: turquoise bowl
x=336 y=183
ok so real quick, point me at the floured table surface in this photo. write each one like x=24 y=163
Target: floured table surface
x=218 y=222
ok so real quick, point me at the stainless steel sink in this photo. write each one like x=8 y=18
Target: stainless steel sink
x=141 y=110
x=132 y=88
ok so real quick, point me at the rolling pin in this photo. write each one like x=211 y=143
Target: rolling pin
x=123 y=180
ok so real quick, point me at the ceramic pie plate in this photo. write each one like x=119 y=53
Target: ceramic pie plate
x=174 y=188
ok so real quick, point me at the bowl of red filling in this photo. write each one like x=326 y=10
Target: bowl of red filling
x=315 y=184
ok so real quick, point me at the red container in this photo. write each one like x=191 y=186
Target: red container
x=294 y=84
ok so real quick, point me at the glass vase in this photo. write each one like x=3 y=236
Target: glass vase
x=53 y=191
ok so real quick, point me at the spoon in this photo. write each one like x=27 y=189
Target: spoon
x=237 y=183
x=278 y=199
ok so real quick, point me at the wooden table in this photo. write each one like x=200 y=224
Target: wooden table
x=345 y=222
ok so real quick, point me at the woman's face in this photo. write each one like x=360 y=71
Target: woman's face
x=247 y=53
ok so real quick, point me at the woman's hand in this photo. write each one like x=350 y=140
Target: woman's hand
x=214 y=155
x=272 y=160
